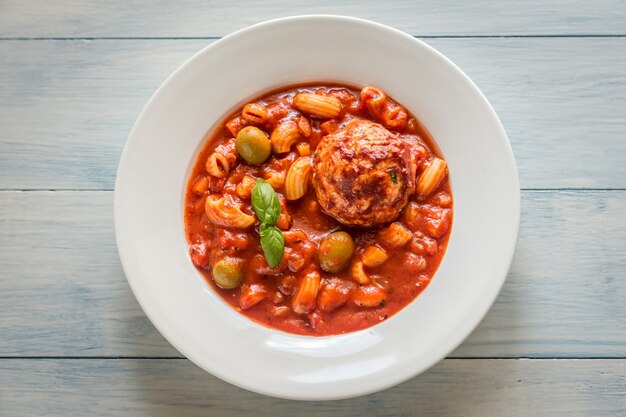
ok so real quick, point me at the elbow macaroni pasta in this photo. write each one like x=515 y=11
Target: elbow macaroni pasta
x=220 y=214
x=325 y=107
x=389 y=113
x=284 y=135
x=358 y=273
x=304 y=299
x=217 y=165
x=254 y=113
x=395 y=235
x=298 y=177
x=432 y=177
x=220 y=162
x=244 y=188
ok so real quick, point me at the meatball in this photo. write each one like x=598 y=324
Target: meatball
x=364 y=174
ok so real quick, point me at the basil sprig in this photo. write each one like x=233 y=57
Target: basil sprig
x=265 y=202
x=267 y=208
x=273 y=244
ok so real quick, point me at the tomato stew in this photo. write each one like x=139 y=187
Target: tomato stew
x=357 y=215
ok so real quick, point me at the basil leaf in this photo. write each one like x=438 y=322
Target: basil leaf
x=265 y=202
x=273 y=244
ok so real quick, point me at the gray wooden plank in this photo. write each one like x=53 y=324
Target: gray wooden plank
x=63 y=292
x=504 y=388
x=66 y=107
x=565 y=292
x=91 y=18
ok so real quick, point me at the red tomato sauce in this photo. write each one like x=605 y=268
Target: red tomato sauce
x=343 y=303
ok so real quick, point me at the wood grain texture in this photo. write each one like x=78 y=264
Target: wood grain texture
x=92 y=18
x=134 y=388
x=63 y=292
x=66 y=107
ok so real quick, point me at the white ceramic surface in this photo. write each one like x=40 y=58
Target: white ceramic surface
x=167 y=136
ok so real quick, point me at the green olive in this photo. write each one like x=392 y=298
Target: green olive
x=253 y=145
x=335 y=252
x=227 y=274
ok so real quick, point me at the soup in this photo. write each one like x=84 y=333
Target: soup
x=319 y=209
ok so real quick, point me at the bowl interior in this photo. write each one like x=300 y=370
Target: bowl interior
x=163 y=146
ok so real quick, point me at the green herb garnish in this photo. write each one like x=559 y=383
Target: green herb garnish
x=265 y=202
x=393 y=175
x=267 y=208
x=273 y=244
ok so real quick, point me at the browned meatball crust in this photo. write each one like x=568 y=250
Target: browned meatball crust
x=364 y=174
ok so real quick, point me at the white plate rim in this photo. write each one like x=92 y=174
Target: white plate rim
x=460 y=333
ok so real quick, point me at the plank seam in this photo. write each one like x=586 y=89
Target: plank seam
x=161 y=38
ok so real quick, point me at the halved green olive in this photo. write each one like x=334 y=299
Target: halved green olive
x=227 y=274
x=335 y=252
x=253 y=145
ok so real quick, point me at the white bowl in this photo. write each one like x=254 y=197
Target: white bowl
x=168 y=135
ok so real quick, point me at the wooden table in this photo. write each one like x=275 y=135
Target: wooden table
x=73 y=78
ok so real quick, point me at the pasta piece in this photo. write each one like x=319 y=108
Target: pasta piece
x=390 y=114
x=395 y=235
x=304 y=126
x=432 y=176
x=298 y=177
x=222 y=160
x=374 y=256
x=303 y=148
x=370 y=296
x=411 y=216
x=358 y=273
x=284 y=135
x=254 y=113
x=244 y=188
x=303 y=301
x=217 y=165
x=325 y=107
x=224 y=215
